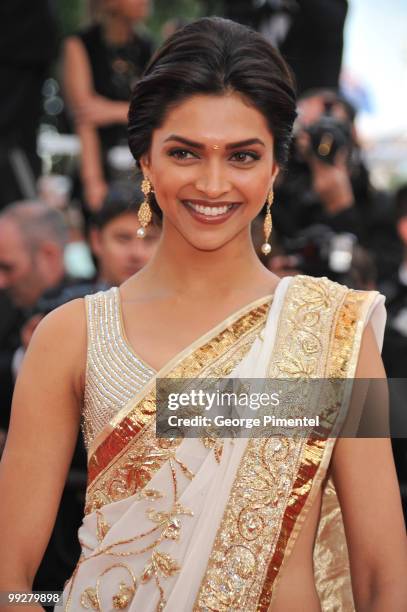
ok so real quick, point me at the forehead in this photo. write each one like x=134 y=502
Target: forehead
x=10 y=235
x=127 y=225
x=123 y=221
x=13 y=250
x=215 y=118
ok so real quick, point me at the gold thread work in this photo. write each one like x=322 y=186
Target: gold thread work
x=276 y=475
x=144 y=214
x=268 y=225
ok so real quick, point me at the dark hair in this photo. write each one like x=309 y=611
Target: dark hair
x=122 y=198
x=37 y=222
x=400 y=199
x=212 y=56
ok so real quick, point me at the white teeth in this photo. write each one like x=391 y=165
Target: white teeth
x=210 y=211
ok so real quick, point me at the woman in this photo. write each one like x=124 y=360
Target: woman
x=101 y=65
x=205 y=524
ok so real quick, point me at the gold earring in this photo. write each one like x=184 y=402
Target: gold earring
x=144 y=212
x=268 y=225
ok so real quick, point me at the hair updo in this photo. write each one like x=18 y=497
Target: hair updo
x=214 y=56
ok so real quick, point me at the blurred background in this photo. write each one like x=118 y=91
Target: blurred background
x=69 y=190
x=373 y=73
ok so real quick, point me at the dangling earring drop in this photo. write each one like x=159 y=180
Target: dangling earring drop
x=144 y=213
x=268 y=225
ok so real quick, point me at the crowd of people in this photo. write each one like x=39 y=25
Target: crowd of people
x=328 y=219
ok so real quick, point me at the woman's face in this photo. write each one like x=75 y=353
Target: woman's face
x=211 y=165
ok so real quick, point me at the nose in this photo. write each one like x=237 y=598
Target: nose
x=213 y=181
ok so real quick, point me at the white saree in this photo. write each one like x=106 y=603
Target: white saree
x=207 y=524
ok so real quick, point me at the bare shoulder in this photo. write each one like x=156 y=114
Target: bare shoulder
x=44 y=426
x=48 y=395
x=59 y=343
x=69 y=315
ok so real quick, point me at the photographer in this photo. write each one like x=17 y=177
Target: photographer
x=326 y=189
x=318 y=184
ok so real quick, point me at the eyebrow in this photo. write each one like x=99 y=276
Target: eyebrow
x=198 y=145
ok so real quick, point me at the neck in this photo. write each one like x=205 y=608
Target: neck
x=118 y=29
x=180 y=269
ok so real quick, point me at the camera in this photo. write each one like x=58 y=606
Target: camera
x=329 y=135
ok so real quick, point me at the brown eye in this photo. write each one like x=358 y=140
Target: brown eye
x=245 y=157
x=181 y=154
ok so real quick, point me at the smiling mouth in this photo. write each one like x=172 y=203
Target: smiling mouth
x=204 y=211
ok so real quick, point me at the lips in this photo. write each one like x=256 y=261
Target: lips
x=210 y=212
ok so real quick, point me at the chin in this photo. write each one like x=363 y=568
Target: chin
x=208 y=245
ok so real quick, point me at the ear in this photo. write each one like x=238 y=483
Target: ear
x=145 y=165
x=274 y=173
x=95 y=241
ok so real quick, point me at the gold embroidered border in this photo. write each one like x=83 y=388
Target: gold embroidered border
x=129 y=457
x=267 y=497
x=348 y=323
x=345 y=354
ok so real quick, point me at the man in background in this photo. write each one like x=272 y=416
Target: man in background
x=32 y=241
x=117 y=251
x=113 y=237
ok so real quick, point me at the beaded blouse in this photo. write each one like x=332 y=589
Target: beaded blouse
x=114 y=373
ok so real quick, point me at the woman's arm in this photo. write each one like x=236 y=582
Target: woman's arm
x=93 y=180
x=78 y=88
x=86 y=104
x=365 y=479
x=43 y=431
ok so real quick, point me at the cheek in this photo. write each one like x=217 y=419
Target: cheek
x=253 y=184
x=24 y=270
x=256 y=179
x=169 y=183
x=119 y=249
x=108 y=248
